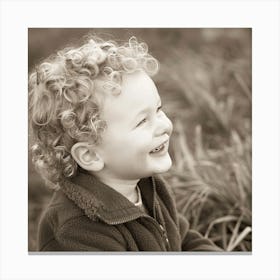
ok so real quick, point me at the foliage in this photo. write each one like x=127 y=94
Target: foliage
x=211 y=144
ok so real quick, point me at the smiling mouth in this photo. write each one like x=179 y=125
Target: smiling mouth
x=159 y=148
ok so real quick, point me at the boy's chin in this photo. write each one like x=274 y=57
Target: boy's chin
x=163 y=166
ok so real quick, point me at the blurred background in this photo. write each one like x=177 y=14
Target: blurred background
x=205 y=84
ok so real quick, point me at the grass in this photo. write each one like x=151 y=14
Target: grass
x=205 y=84
x=211 y=145
x=213 y=189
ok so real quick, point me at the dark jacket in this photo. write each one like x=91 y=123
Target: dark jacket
x=86 y=215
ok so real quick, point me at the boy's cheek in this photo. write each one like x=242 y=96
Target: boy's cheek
x=143 y=139
x=127 y=145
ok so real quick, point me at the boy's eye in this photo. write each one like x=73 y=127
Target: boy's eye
x=140 y=123
x=159 y=108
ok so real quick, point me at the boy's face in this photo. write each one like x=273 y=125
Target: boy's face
x=135 y=143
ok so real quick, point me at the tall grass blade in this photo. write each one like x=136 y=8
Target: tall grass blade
x=239 y=238
x=224 y=219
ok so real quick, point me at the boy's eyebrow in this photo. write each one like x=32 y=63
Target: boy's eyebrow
x=146 y=110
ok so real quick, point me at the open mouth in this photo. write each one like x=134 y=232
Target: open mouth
x=159 y=148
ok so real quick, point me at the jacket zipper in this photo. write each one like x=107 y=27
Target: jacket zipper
x=158 y=226
x=161 y=229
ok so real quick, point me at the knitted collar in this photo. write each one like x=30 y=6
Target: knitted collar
x=101 y=201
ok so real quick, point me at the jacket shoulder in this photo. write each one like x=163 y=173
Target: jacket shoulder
x=66 y=227
x=59 y=211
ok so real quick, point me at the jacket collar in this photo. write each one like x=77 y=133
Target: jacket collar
x=101 y=201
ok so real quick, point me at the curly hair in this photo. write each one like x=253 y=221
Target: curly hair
x=63 y=107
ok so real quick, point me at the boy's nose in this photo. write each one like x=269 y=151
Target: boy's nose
x=164 y=126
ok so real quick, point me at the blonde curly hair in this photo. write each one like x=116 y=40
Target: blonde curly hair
x=63 y=107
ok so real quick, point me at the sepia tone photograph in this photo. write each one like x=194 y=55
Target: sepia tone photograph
x=140 y=140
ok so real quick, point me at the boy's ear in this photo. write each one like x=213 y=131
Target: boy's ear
x=85 y=155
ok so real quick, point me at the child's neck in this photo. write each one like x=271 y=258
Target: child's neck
x=125 y=187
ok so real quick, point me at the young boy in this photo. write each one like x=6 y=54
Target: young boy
x=100 y=139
